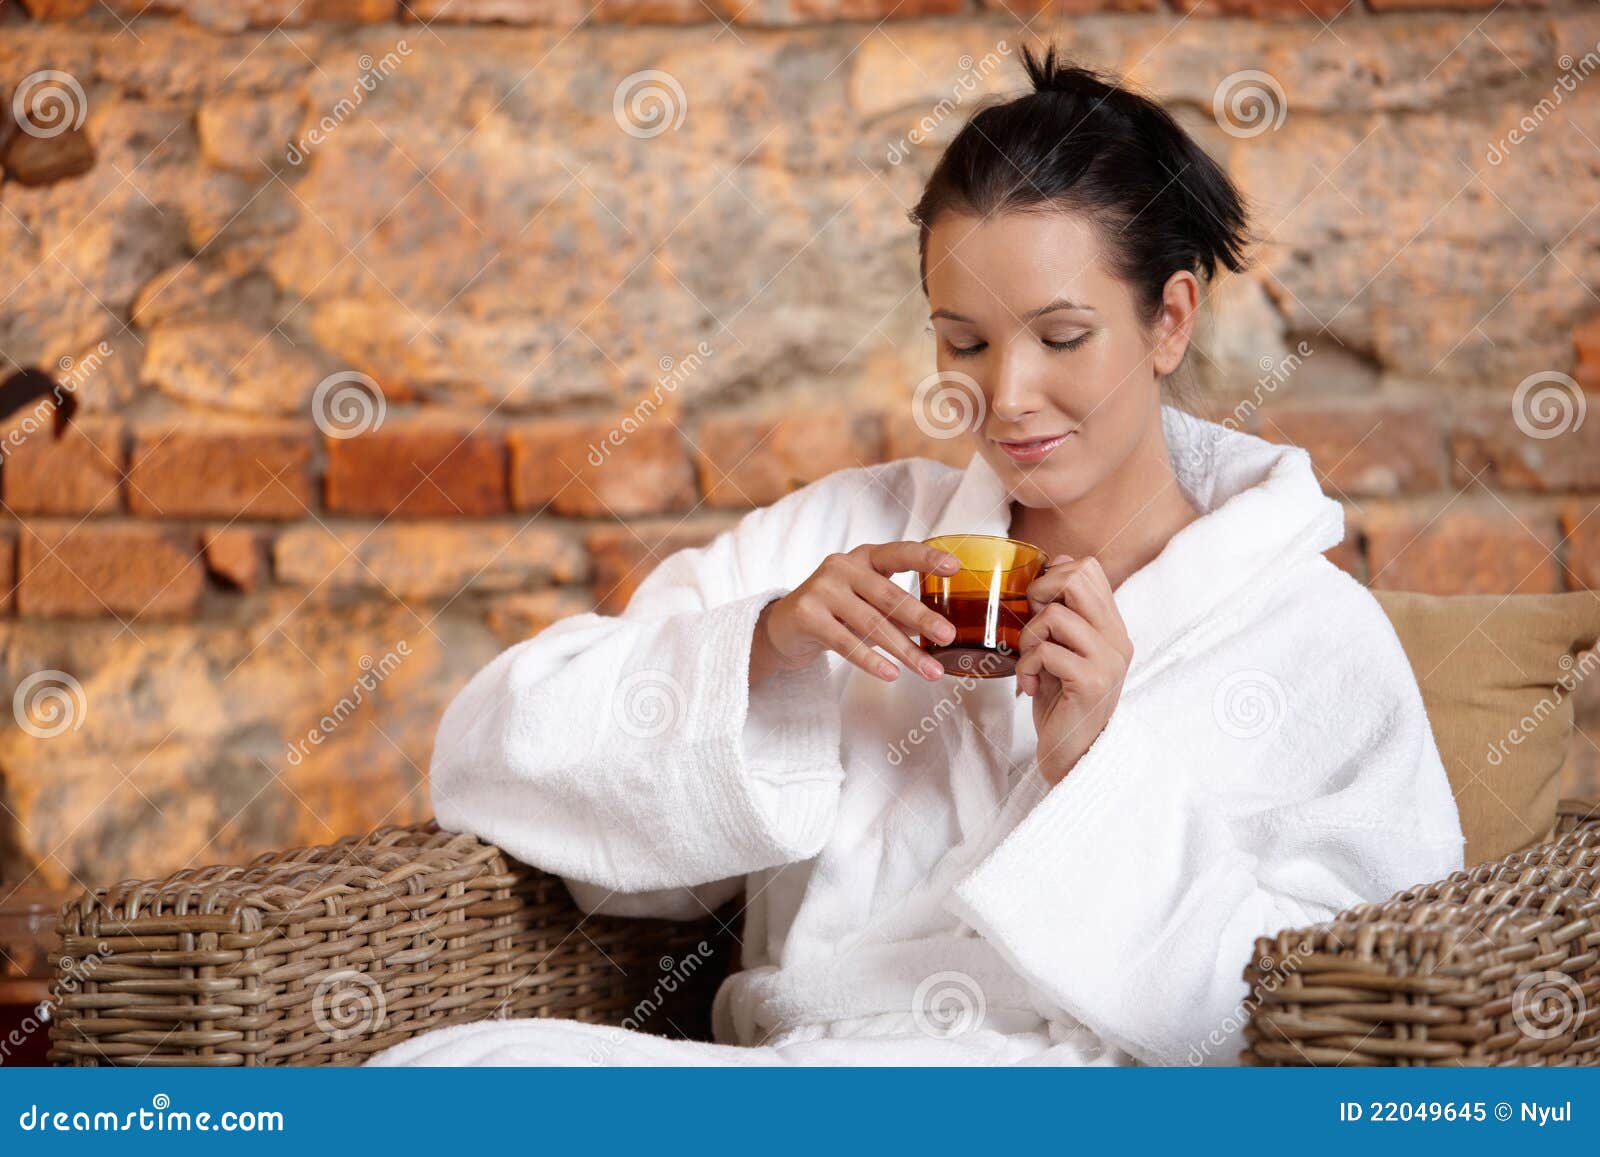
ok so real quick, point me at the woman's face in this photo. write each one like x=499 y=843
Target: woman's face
x=1069 y=379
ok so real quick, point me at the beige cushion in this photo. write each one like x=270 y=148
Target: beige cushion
x=1495 y=673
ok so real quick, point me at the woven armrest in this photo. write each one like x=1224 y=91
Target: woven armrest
x=1497 y=964
x=326 y=955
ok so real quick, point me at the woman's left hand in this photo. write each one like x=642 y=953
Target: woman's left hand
x=1075 y=653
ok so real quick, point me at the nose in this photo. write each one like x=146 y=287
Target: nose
x=1016 y=388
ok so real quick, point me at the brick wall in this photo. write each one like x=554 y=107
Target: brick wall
x=398 y=331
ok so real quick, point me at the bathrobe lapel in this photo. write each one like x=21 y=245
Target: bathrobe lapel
x=1261 y=509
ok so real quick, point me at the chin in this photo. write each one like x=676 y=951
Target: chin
x=1043 y=485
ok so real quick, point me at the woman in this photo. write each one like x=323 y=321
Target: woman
x=1213 y=733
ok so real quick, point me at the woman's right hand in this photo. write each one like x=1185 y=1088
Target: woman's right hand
x=849 y=605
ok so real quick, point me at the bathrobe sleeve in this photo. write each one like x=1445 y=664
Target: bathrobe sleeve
x=1132 y=893
x=628 y=754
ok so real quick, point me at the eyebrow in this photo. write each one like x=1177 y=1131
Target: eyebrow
x=1058 y=304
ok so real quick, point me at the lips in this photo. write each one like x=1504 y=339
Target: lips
x=1032 y=449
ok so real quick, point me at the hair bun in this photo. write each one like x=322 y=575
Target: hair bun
x=1056 y=74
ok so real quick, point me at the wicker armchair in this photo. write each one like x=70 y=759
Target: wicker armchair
x=326 y=955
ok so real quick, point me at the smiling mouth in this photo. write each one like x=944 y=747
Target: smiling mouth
x=1032 y=449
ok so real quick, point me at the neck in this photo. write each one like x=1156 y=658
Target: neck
x=1124 y=522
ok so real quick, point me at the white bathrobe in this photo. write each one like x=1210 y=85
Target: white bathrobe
x=916 y=892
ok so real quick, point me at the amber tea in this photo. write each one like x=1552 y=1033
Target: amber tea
x=986 y=600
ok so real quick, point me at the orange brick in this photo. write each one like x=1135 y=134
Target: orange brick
x=622 y=556
x=80 y=473
x=1265 y=9
x=212 y=473
x=1580 y=524
x=236 y=556
x=1369 y=450
x=1029 y=9
x=1347 y=555
x=1488 y=444
x=1586 y=340
x=8 y=573
x=97 y=568
x=1409 y=5
x=753 y=462
x=417 y=471
x=597 y=469
x=903 y=438
x=1462 y=552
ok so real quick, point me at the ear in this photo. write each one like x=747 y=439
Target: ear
x=1180 y=301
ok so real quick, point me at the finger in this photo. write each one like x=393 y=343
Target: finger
x=874 y=626
x=1054 y=659
x=1060 y=624
x=894 y=557
x=841 y=640
x=1082 y=585
x=905 y=608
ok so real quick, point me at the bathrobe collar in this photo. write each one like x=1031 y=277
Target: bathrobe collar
x=1261 y=509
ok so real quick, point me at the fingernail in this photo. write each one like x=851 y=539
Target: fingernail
x=887 y=670
x=931 y=669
